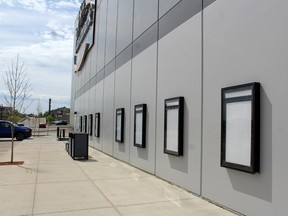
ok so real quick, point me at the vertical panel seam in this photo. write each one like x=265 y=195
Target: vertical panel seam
x=156 y=96
x=131 y=74
x=202 y=94
x=102 y=145
x=115 y=63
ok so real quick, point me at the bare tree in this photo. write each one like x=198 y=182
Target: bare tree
x=19 y=91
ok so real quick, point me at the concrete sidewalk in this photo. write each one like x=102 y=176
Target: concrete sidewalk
x=50 y=182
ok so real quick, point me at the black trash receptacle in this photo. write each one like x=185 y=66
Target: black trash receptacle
x=70 y=144
x=79 y=146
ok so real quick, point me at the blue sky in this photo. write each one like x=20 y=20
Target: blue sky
x=42 y=33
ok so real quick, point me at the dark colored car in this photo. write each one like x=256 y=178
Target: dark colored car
x=61 y=122
x=42 y=125
x=20 y=132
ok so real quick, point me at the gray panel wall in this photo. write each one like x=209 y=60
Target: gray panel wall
x=94 y=49
x=99 y=109
x=145 y=14
x=244 y=42
x=235 y=42
x=166 y=5
x=101 y=40
x=124 y=24
x=111 y=30
x=179 y=74
x=108 y=113
x=144 y=81
x=92 y=92
x=122 y=100
x=144 y=67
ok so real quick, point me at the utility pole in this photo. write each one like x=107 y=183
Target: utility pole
x=49 y=109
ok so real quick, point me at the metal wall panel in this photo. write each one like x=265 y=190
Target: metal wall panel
x=124 y=24
x=101 y=40
x=245 y=42
x=108 y=113
x=179 y=74
x=166 y=5
x=145 y=14
x=122 y=100
x=111 y=30
x=144 y=78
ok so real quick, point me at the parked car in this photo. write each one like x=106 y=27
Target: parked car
x=43 y=125
x=20 y=132
x=61 y=122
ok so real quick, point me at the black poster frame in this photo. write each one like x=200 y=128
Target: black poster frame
x=119 y=134
x=138 y=110
x=81 y=123
x=85 y=124
x=250 y=93
x=179 y=107
x=90 y=124
x=97 y=125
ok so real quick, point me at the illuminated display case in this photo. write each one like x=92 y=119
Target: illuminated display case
x=119 y=126
x=90 y=124
x=85 y=124
x=140 y=125
x=97 y=125
x=240 y=128
x=81 y=123
x=173 y=126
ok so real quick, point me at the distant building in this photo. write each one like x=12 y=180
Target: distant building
x=62 y=113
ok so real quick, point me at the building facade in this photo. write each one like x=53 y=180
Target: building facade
x=141 y=53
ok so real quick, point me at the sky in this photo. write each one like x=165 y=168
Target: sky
x=42 y=33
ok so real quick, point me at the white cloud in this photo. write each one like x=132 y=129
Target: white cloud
x=42 y=33
x=43 y=6
x=7 y=2
x=65 y=4
x=59 y=30
x=1 y=16
x=37 y=5
x=49 y=66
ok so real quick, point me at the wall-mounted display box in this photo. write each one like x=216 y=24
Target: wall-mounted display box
x=90 y=124
x=85 y=124
x=81 y=123
x=240 y=128
x=140 y=125
x=97 y=125
x=119 y=126
x=173 y=126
